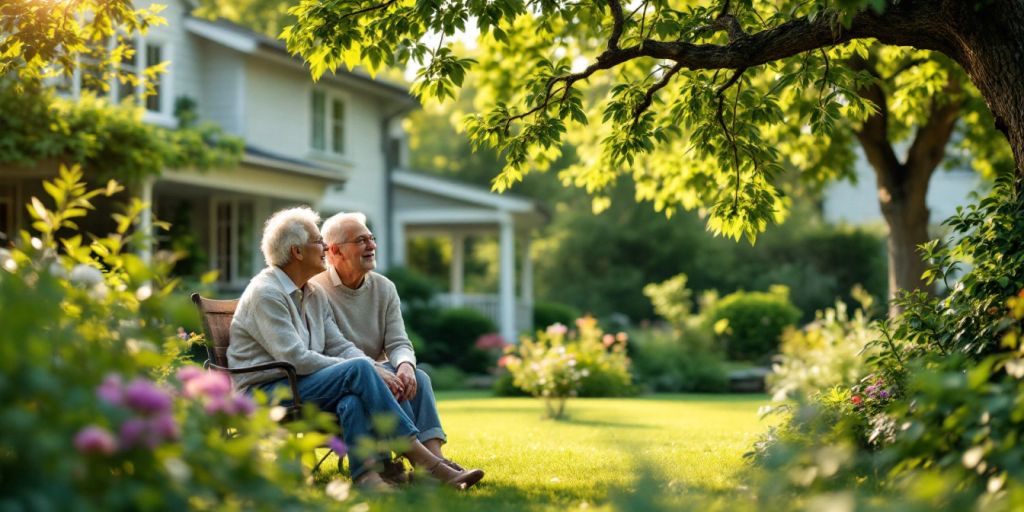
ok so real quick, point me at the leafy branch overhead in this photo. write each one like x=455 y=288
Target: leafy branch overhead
x=693 y=99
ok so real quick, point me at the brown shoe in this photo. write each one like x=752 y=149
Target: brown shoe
x=452 y=464
x=458 y=479
x=373 y=483
x=395 y=473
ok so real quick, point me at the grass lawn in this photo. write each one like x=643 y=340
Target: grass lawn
x=631 y=454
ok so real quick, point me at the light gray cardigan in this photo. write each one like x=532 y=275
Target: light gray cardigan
x=370 y=316
x=268 y=326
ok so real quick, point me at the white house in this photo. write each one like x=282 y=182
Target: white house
x=336 y=145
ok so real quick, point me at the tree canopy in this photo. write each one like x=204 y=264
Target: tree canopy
x=702 y=104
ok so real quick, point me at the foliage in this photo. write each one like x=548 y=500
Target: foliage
x=671 y=299
x=93 y=415
x=678 y=360
x=446 y=377
x=451 y=339
x=108 y=141
x=560 y=364
x=750 y=323
x=828 y=352
x=648 y=85
x=414 y=288
x=49 y=38
x=937 y=413
x=547 y=313
x=627 y=247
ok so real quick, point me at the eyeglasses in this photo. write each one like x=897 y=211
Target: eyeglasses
x=363 y=240
x=318 y=241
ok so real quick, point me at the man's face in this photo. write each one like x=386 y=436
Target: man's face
x=357 y=252
x=314 y=252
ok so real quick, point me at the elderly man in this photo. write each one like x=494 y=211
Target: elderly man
x=368 y=311
x=280 y=317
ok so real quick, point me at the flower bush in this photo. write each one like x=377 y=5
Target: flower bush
x=561 y=364
x=96 y=411
x=825 y=353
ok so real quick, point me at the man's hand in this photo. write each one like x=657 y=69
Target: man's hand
x=407 y=377
x=392 y=381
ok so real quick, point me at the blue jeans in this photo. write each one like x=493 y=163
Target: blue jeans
x=423 y=408
x=354 y=391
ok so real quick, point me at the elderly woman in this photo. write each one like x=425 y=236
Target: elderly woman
x=280 y=317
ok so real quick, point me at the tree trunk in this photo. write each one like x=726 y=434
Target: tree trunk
x=905 y=210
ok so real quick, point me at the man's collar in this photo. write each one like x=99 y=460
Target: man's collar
x=336 y=279
x=286 y=282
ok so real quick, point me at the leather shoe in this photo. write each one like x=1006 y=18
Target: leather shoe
x=458 y=479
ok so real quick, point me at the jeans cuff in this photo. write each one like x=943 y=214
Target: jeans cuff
x=432 y=433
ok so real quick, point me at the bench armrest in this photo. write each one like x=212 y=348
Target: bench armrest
x=286 y=367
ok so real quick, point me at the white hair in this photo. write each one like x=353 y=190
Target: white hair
x=334 y=227
x=284 y=230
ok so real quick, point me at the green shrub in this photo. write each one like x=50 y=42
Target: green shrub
x=415 y=289
x=446 y=377
x=828 y=352
x=547 y=313
x=452 y=338
x=753 y=322
x=675 y=361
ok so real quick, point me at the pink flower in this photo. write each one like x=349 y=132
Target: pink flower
x=146 y=397
x=187 y=373
x=112 y=390
x=243 y=405
x=608 y=340
x=95 y=440
x=208 y=384
x=621 y=337
x=337 y=446
x=557 y=329
x=857 y=400
x=505 y=359
x=491 y=340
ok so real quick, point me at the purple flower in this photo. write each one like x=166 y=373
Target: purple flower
x=337 y=446
x=131 y=432
x=95 y=440
x=208 y=384
x=112 y=390
x=243 y=405
x=146 y=397
x=165 y=427
x=883 y=394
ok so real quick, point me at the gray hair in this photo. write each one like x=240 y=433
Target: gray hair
x=334 y=227
x=284 y=230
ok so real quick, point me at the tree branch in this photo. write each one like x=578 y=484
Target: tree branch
x=617 y=23
x=371 y=8
x=928 y=148
x=874 y=133
x=649 y=96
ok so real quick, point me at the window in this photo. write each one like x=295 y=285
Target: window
x=328 y=123
x=140 y=55
x=234 y=240
x=318 y=121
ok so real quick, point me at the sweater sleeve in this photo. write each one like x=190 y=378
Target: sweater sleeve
x=396 y=342
x=281 y=339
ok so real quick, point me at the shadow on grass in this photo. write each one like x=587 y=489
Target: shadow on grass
x=569 y=420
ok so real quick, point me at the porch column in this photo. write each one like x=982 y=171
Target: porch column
x=397 y=256
x=146 y=220
x=506 y=283
x=526 y=286
x=457 y=270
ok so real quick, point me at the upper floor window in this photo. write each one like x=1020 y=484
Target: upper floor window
x=135 y=71
x=328 y=122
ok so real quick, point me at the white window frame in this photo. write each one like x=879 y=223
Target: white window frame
x=164 y=115
x=330 y=97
